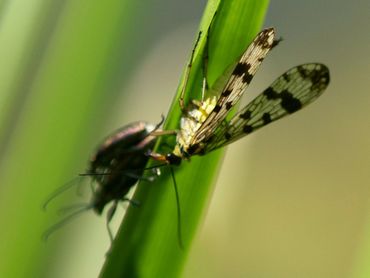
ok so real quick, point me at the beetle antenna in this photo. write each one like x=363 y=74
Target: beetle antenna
x=59 y=191
x=72 y=207
x=64 y=221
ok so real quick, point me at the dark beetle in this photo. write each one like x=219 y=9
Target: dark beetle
x=118 y=163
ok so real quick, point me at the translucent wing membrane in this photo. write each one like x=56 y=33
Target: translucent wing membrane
x=239 y=80
x=289 y=93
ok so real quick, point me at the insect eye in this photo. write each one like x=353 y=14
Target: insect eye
x=173 y=159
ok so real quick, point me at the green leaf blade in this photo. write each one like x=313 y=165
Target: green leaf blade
x=147 y=243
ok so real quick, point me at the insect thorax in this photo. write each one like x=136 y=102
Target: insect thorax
x=189 y=125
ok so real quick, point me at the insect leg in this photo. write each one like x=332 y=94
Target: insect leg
x=206 y=58
x=204 y=85
x=205 y=66
x=112 y=211
x=131 y=202
x=187 y=73
x=157 y=156
x=93 y=189
x=157 y=126
x=163 y=132
x=110 y=215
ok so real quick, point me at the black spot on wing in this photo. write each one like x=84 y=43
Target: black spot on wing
x=226 y=93
x=289 y=102
x=266 y=117
x=304 y=73
x=262 y=39
x=217 y=108
x=247 y=129
x=228 y=105
x=246 y=115
x=210 y=139
x=227 y=136
x=270 y=93
x=286 y=77
x=319 y=77
x=247 y=78
x=241 y=68
x=192 y=149
x=325 y=75
x=202 y=152
x=315 y=76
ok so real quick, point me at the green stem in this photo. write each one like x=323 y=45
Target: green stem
x=147 y=244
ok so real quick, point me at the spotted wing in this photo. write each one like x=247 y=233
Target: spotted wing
x=239 y=80
x=289 y=93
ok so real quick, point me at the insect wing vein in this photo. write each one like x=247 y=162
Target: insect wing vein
x=290 y=92
x=239 y=80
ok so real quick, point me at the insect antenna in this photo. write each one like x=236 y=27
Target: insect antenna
x=73 y=207
x=64 y=221
x=59 y=191
x=179 y=221
x=177 y=196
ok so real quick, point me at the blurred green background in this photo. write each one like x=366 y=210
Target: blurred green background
x=292 y=200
